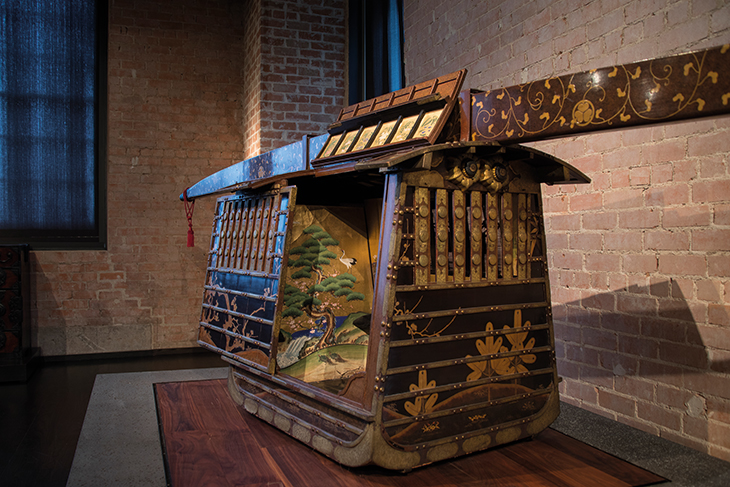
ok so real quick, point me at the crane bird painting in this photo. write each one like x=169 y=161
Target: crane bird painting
x=348 y=261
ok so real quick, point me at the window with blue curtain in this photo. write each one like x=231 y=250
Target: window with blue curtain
x=375 y=49
x=52 y=96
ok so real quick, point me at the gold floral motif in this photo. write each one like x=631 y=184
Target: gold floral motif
x=491 y=346
x=422 y=404
x=488 y=368
x=458 y=175
x=427 y=428
x=583 y=113
x=516 y=363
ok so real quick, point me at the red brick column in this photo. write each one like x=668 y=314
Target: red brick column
x=296 y=79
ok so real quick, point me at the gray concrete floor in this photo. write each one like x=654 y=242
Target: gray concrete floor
x=119 y=444
x=683 y=466
x=41 y=419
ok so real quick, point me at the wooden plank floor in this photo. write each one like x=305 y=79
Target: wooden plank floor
x=208 y=441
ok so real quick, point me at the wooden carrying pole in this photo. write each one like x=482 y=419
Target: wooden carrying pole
x=660 y=90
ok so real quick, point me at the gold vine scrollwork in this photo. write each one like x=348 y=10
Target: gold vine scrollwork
x=656 y=90
x=513 y=116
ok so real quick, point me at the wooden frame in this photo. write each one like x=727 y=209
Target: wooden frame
x=696 y=84
x=393 y=121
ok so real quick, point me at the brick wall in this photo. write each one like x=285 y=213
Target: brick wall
x=252 y=79
x=639 y=258
x=300 y=72
x=184 y=101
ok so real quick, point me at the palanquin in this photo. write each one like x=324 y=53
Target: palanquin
x=381 y=292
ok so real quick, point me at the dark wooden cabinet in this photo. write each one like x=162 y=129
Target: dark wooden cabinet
x=17 y=356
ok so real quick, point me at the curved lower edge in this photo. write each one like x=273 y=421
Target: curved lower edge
x=352 y=454
x=394 y=458
x=371 y=448
x=232 y=389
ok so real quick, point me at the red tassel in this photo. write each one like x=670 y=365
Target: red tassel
x=189 y=207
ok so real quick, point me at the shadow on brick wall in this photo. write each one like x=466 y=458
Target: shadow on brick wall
x=639 y=351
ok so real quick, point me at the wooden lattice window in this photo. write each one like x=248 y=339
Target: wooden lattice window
x=244 y=269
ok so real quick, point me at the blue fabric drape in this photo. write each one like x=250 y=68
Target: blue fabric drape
x=48 y=75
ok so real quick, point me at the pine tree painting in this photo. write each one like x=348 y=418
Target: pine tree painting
x=326 y=292
x=315 y=287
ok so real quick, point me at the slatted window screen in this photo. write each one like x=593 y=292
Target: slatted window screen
x=468 y=237
x=244 y=269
